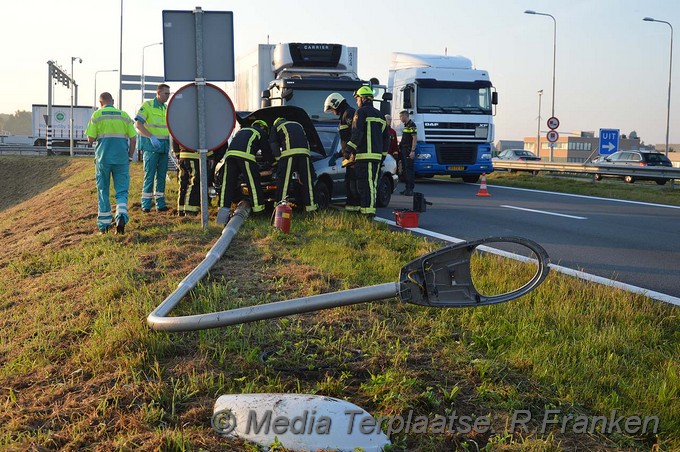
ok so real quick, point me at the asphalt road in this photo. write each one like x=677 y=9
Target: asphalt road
x=634 y=243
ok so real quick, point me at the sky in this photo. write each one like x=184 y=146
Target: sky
x=611 y=67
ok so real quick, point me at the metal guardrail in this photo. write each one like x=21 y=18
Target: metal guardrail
x=25 y=149
x=604 y=169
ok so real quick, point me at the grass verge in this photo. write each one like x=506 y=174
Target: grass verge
x=81 y=370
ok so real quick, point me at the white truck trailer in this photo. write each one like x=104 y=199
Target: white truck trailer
x=299 y=74
x=452 y=105
x=61 y=124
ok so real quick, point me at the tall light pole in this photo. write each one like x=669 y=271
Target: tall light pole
x=528 y=11
x=96 y=104
x=73 y=82
x=538 y=131
x=670 y=73
x=143 y=50
x=120 y=61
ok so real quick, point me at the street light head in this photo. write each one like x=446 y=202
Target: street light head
x=648 y=19
x=529 y=11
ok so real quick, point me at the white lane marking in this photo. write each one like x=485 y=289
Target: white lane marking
x=565 y=270
x=545 y=212
x=599 y=198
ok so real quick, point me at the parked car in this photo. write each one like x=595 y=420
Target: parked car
x=518 y=154
x=632 y=159
x=326 y=156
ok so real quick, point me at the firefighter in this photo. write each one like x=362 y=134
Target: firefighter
x=151 y=123
x=240 y=160
x=338 y=105
x=369 y=144
x=115 y=135
x=189 y=197
x=290 y=148
x=407 y=146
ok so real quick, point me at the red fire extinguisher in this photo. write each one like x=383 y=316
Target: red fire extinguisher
x=282 y=217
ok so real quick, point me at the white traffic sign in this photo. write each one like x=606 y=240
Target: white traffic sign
x=552 y=136
x=553 y=123
x=609 y=141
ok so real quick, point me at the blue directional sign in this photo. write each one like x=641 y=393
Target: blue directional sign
x=609 y=141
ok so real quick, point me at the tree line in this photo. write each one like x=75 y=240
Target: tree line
x=18 y=123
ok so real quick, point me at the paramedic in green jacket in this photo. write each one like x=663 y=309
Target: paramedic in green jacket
x=114 y=133
x=154 y=137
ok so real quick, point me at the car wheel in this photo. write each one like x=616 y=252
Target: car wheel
x=322 y=195
x=661 y=181
x=471 y=179
x=384 y=191
x=628 y=179
x=598 y=176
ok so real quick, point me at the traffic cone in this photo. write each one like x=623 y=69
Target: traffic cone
x=482 y=187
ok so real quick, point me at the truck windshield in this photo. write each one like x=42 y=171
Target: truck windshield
x=312 y=102
x=475 y=101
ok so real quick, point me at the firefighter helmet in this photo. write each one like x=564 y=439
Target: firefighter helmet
x=364 y=91
x=333 y=102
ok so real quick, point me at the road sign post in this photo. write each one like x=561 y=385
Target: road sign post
x=609 y=141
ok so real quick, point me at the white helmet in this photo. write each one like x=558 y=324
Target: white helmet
x=333 y=101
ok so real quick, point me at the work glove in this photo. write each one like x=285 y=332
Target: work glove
x=155 y=142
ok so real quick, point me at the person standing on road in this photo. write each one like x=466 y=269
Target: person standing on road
x=240 y=161
x=151 y=124
x=369 y=143
x=407 y=146
x=290 y=148
x=338 y=105
x=115 y=135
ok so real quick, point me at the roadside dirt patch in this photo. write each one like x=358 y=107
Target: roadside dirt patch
x=25 y=177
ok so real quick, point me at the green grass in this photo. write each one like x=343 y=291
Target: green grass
x=79 y=368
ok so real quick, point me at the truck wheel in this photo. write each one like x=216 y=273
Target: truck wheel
x=384 y=191
x=322 y=195
x=471 y=179
x=661 y=181
x=598 y=176
x=628 y=179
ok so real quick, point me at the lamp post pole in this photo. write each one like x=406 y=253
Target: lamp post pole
x=554 y=60
x=96 y=104
x=142 y=78
x=670 y=74
x=538 y=130
x=73 y=82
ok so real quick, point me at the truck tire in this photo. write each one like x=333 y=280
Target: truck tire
x=384 y=191
x=598 y=176
x=471 y=179
x=322 y=195
x=628 y=179
x=661 y=181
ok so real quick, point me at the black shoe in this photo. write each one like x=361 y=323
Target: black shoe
x=146 y=210
x=120 y=226
x=407 y=192
x=163 y=209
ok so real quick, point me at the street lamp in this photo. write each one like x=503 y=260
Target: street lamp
x=670 y=73
x=538 y=131
x=528 y=11
x=143 y=49
x=96 y=104
x=73 y=82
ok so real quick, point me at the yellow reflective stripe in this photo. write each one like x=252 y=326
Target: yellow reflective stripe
x=295 y=151
x=343 y=127
x=409 y=130
x=368 y=156
x=240 y=154
x=188 y=155
x=112 y=135
x=285 y=133
x=352 y=145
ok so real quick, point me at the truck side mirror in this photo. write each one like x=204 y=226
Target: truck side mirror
x=385 y=107
x=407 y=103
x=494 y=98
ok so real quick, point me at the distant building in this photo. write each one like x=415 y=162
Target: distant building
x=575 y=147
